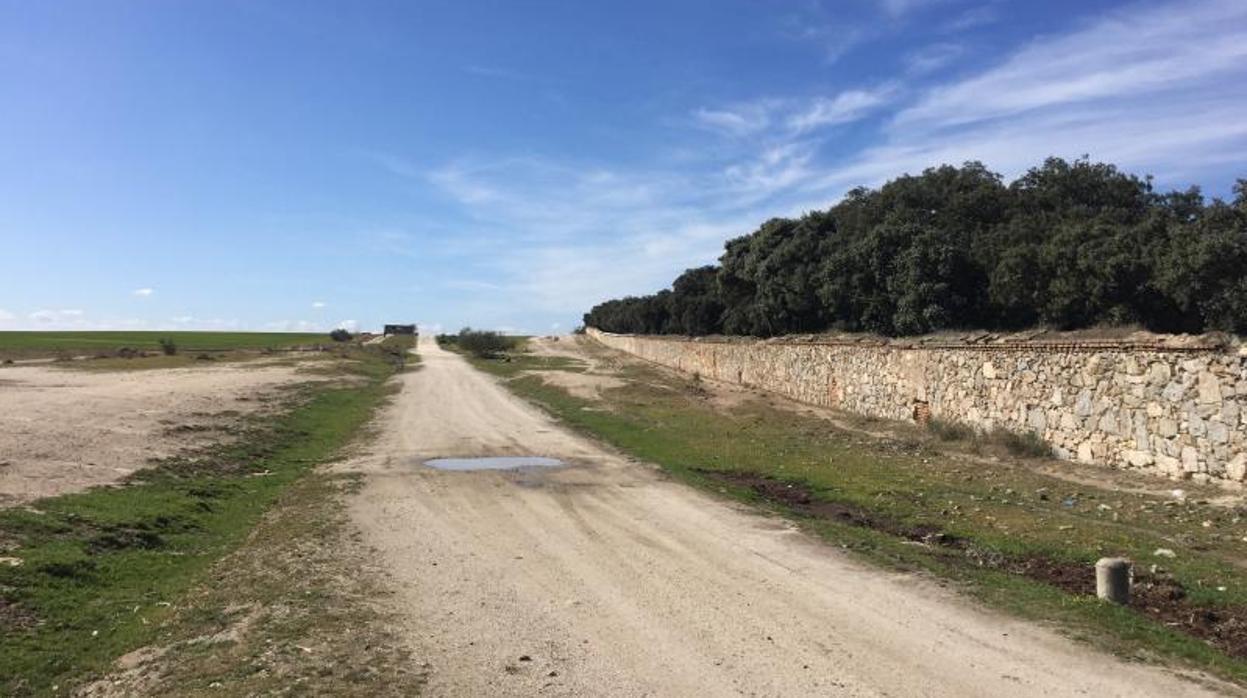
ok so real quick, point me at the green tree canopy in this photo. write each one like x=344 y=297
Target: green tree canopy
x=1068 y=244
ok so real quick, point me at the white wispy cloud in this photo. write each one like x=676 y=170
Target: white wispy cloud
x=847 y=106
x=1129 y=88
x=770 y=117
x=972 y=18
x=933 y=57
x=318 y=304
x=834 y=36
x=898 y=8
x=739 y=120
x=1130 y=53
x=144 y=292
x=561 y=234
x=776 y=168
x=6 y=316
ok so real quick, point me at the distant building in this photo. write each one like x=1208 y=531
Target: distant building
x=391 y=330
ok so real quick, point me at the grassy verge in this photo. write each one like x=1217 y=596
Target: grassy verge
x=1014 y=536
x=92 y=575
x=292 y=610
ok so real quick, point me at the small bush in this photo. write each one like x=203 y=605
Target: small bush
x=946 y=430
x=340 y=335
x=168 y=346
x=485 y=344
x=1026 y=444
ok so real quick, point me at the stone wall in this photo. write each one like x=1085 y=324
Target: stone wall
x=1179 y=411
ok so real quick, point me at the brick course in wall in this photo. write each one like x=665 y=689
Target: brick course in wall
x=1180 y=411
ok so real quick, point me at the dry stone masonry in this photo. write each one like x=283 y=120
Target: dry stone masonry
x=1169 y=408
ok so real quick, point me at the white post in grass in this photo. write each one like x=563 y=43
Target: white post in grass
x=1112 y=580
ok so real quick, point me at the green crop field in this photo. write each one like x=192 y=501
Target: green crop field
x=40 y=344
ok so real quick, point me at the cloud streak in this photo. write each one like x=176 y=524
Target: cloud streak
x=1127 y=54
x=740 y=120
x=850 y=105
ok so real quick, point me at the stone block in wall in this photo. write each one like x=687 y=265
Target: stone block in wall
x=1190 y=459
x=1139 y=459
x=1236 y=469
x=1169 y=466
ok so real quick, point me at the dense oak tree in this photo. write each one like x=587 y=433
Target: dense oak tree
x=1068 y=245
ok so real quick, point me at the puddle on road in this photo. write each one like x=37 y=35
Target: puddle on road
x=494 y=463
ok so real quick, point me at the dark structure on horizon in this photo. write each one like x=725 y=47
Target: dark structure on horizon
x=391 y=330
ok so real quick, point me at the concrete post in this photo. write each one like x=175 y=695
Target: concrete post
x=1112 y=580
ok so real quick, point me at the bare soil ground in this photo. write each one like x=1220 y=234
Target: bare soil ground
x=607 y=578
x=62 y=431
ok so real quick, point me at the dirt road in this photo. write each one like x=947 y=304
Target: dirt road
x=605 y=578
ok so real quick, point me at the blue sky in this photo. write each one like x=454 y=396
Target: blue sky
x=264 y=164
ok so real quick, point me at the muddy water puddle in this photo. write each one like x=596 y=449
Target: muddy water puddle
x=494 y=463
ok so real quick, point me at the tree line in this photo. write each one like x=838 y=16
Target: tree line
x=1067 y=245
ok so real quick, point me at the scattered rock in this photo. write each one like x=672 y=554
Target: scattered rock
x=1164 y=552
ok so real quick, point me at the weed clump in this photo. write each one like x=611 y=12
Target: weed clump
x=1026 y=444
x=168 y=346
x=947 y=430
